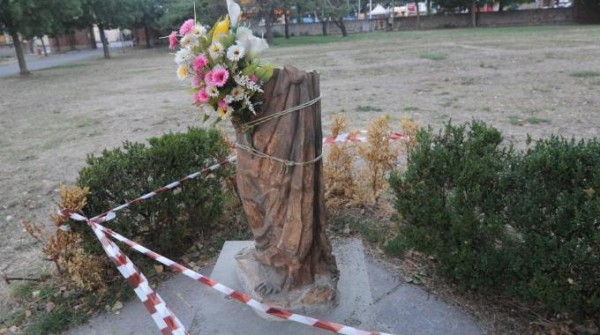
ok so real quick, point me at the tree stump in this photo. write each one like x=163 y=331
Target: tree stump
x=291 y=265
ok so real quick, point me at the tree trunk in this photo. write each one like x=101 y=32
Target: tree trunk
x=418 y=15
x=324 y=26
x=72 y=41
x=104 y=41
x=92 y=37
x=147 y=35
x=57 y=40
x=44 y=47
x=286 y=19
x=20 y=56
x=291 y=261
x=474 y=13
x=340 y=23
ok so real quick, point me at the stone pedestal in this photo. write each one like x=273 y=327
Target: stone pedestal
x=261 y=282
x=354 y=303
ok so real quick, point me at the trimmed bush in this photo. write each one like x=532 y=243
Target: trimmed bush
x=169 y=222
x=451 y=199
x=552 y=200
x=521 y=224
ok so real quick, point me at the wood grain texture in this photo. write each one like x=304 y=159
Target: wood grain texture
x=285 y=205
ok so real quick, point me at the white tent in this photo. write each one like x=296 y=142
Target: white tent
x=379 y=10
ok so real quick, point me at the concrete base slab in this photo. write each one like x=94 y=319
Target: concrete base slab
x=397 y=307
x=355 y=303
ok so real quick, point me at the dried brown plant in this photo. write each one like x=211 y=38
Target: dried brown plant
x=63 y=247
x=380 y=157
x=410 y=129
x=361 y=182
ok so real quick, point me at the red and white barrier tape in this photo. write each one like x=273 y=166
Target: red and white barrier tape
x=110 y=214
x=342 y=138
x=133 y=275
x=164 y=318
x=359 y=137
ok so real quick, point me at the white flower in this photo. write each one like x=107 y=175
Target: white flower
x=212 y=91
x=184 y=56
x=228 y=99
x=215 y=50
x=198 y=31
x=237 y=93
x=186 y=41
x=235 y=52
x=253 y=45
x=234 y=11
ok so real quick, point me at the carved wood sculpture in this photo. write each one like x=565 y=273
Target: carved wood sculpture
x=291 y=264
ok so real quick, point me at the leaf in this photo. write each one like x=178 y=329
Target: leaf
x=159 y=268
x=265 y=72
x=117 y=306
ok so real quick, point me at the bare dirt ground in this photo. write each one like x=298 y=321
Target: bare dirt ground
x=537 y=81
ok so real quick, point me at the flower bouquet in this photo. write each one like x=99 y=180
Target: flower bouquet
x=223 y=66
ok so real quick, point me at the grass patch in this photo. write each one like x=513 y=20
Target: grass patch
x=411 y=109
x=22 y=290
x=519 y=121
x=15 y=317
x=66 y=66
x=536 y=120
x=515 y=120
x=56 y=321
x=368 y=108
x=585 y=74
x=435 y=56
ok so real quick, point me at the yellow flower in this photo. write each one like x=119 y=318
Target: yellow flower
x=182 y=72
x=221 y=28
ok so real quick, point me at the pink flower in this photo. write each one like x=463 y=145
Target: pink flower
x=187 y=26
x=197 y=80
x=201 y=97
x=222 y=104
x=254 y=79
x=200 y=62
x=208 y=79
x=173 y=40
x=219 y=76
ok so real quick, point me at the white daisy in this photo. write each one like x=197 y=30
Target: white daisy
x=235 y=52
x=228 y=99
x=198 y=31
x=186 y=41
x=237 y=93
x=212 y=91
x=184 y=56
x=216 y=50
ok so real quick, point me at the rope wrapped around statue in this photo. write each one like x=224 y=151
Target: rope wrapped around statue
x=280 y=183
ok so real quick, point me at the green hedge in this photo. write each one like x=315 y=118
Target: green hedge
x=521 y=224
x=167 y=223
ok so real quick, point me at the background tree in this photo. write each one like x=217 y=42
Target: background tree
x=177 y=11
x=452 y=6
x=52 y=18
x=11 y=21
x=108 y=14
x=337 y=10
x=34 y=18
x=147 y=16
